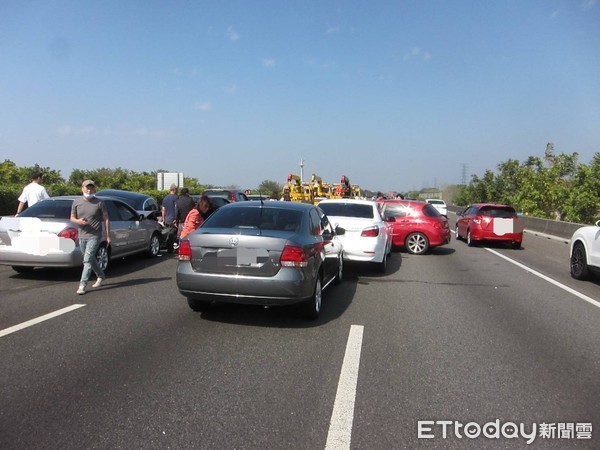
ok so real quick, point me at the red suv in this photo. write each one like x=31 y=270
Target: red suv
x=416 y=226
x=490 y=222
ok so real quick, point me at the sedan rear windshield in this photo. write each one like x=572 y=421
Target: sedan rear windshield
x=49 y=209
x=347 y=210
x=252 y=217
x=495 y=211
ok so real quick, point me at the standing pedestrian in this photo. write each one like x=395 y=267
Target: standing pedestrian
x=33 y=192
x=169 y=217
x=90 y=213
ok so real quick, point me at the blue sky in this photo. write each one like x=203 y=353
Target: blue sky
x=396 y=95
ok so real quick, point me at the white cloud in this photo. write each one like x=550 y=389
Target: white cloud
x=269 y=62
x=417 y=52
x=68 y=130
x=145 y=132
x=203 y=106
x=232 y=34
x=333 y=30
x=588 y=4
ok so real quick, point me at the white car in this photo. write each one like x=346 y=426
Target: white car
x=368 y=237
x=585 y=251
x=439 y=204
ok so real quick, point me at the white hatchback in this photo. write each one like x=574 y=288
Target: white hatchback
x=439 y=204
x=368 y=236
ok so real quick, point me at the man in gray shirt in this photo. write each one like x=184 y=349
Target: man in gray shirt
x=90 y=213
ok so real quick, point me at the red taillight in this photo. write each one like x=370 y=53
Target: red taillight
x=370 y=232
x=293 y=256
x=69 y=233
x=477 y=219
x=185 y=250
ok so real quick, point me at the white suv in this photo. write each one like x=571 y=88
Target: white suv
x=440 y=205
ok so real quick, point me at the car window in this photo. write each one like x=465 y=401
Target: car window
x=252 y=217
x=396 y=211
x=49 y=209
x=498 y=211
x=430 y=211
x=348 y=210
x=315 y=222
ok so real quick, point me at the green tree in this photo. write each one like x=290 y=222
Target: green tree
x=269 y=187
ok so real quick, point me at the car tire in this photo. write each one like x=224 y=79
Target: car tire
x=198 y=305
x=339 y=276
x=103 y=257
x=516 y=245
x=578 y=263
x=153 y=246
x=470 y=241
x=22 y=269
x=417 y=243
x=456 y=235
x=381 y=267
x=312 y=308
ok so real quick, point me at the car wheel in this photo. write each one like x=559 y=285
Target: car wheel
x=579 y=267
x=198 y=305
x=516 y=245
x=312 y=308
x=470 y=241
x=456 y=235
x=340 y=272
x=417 y=243
x=382 y=266
x=103 y=256
x=22 y=269
x=153 y=246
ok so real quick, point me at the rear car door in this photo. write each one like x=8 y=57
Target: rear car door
x=119 y=229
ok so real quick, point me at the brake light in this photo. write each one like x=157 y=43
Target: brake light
x=293 y=256
x=69 y=233
x=370 y=232
x=477 y=220
x=185 y=250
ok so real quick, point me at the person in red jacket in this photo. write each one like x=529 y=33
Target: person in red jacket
x=194 y=218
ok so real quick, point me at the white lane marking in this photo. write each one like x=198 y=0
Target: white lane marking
x=31 y=322
x=548 y=279
x=340 y=426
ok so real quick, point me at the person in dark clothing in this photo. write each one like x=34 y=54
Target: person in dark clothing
x=184 y=203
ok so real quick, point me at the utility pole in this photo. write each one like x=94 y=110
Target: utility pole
x=301 y=170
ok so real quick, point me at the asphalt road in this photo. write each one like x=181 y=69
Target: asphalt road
x=459 y=335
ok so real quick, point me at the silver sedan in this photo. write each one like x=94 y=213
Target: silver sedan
x=265 y=253
x=44 y=236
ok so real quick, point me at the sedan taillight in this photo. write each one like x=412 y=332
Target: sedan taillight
x=185 y=250
x=69 y=233
x=293 y=256
x=370 y=232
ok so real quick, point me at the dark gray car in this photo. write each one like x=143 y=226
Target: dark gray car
x=270 y=253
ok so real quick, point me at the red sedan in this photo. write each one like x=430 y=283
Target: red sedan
x=416 y=226
x=490 y=222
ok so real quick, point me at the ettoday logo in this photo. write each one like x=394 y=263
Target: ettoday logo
x=429 y=429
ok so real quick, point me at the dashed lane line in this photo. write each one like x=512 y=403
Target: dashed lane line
x=37 y=320
x=340 y=426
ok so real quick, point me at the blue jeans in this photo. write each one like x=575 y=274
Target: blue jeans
x=89 y=247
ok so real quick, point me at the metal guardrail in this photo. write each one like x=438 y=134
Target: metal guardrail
x=563 y=230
